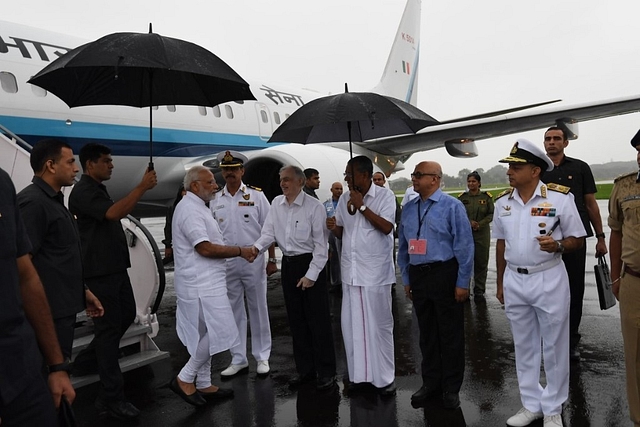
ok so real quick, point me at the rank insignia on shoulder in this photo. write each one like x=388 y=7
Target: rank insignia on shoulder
x=254 y=188
x=488 y=194
x=504 y=193
x=624 y=176
x=559 y=188
x=460 y=195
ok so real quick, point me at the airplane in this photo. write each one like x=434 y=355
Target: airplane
x=186 y=135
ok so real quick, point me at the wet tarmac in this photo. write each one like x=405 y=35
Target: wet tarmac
x=489 y=393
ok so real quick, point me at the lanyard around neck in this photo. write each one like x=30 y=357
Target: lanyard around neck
x=421 y=218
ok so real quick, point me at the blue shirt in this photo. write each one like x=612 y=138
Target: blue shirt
x=446 y=228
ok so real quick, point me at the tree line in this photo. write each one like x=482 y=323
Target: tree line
x=497 y=175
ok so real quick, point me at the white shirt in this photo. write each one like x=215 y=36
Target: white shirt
x=519 y=224
x=367 y=253
x=193 y=224
x=409 y=195
x=299 y=228
x=240 y=216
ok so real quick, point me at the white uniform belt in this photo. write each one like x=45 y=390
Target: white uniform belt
x=536 y=268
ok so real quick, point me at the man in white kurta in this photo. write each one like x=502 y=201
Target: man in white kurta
x=240 y=211
x=367 y=276
x=535 y=224
x=204 y=319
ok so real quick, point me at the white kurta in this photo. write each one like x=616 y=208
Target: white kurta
x=537 y=304
x=200 y=282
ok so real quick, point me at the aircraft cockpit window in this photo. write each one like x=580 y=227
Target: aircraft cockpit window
x=216 y=111
x=38 y=91
x=263 y=115
x=171 y=108
x=239 y=102
x=229 y=111
x=8 y=82
x=276 y=117
x=202 y=110
x=286 y=116
x=155 y=107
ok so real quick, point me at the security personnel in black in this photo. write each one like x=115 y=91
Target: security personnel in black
x=479 y=206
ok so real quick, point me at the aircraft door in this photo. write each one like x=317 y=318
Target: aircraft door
x=265 y=121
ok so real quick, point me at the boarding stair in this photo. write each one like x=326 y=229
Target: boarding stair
x=146 y=274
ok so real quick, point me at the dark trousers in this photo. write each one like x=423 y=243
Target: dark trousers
x=33 y=407
x=116 y=295
x=574 y=263
x=441 y=322
x=65 y=328
x=309 y=319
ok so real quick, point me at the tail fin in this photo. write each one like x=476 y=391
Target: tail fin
x=400 y=76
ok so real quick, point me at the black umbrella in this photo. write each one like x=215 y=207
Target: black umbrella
x=351 y=116
x=142 y=70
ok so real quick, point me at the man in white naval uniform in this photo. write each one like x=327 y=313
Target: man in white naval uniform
x=240 y=211
x=364 y=221
x=204 y=320
x=535 y=224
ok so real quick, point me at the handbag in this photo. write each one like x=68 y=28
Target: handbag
x=66 y=416
x=603 y=282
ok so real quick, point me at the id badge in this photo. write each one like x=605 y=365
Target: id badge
x=417 y=247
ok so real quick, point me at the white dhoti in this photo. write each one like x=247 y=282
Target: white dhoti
x=537 y=306
x=367 y=329
x=249 y=280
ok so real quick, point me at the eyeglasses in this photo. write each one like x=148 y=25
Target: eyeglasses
x=418 y=175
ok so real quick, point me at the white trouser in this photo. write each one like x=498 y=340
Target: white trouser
x=198 y=367
x=249 y=280
x=537 y=306
x=367 y=329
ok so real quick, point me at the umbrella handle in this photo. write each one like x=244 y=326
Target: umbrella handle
x=150 y=167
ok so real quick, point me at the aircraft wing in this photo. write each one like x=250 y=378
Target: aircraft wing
x=467 y=131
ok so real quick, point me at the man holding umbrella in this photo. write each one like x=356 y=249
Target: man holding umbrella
x=364 y=221
x=105 y=259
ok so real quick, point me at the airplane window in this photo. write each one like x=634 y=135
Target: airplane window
x=8 y=82
x=263 y=115
x=155 y=107
x=202 y=110
x=276 y=117
x=171 y=108
x=229 y=111
x=216 y=111
x=286 y=116
x=239 y=102
x=38 y=91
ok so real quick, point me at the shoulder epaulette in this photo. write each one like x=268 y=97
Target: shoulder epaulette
x=559 y=188
x=461 y=194
x=504 y=193
x=625 y=176
x=488 y=194
x=254 y=188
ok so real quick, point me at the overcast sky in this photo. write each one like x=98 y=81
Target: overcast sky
x=476 y=56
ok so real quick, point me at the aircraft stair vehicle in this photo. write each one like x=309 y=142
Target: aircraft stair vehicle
x=146 y=273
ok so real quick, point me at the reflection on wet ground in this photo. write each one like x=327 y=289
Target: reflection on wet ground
x=488 y=397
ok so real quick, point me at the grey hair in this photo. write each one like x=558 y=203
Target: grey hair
x=296 y=171
x=192 y=175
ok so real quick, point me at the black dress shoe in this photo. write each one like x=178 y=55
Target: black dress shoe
x=299 y=380
x=354 y=388
x=121 y=410
x=325 y=383
x=426 y=393
x=389 y=390
x=192 y=399
x=222 y=393
x=450 y=400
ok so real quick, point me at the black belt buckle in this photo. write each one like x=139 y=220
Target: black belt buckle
x=522 y=270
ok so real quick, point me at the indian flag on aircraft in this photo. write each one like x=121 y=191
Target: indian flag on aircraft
x=405 y=67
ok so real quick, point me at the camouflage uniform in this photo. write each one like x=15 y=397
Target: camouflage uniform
x=479 y=208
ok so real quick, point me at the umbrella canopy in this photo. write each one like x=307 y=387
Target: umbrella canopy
x=351 y=116
x=141 y=70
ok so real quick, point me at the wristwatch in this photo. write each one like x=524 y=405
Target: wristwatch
x=560 y=247
x=273 y=260
x=362 y=208
x=64 y=366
